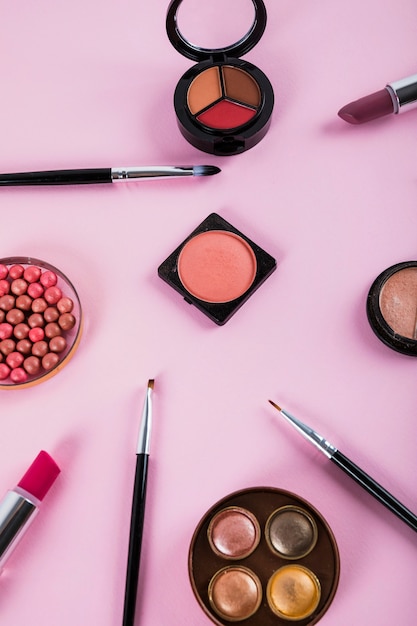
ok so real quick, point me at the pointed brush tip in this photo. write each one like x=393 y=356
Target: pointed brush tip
x=205 y=170
x=151 y=383
x=275 y=405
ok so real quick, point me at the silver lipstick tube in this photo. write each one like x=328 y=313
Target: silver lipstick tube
x=403 y=93
x=18 y=509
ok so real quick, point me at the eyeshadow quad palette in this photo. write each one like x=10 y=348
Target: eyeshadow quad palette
x=265 y=557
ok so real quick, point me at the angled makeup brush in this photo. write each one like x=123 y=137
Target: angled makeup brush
x=364 y=480
x=105 y=175
x=138 y=510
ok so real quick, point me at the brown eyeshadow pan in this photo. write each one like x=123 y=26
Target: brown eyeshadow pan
x=278 y=561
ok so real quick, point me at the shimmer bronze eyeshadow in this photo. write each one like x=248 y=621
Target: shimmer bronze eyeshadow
x=392 y=307
x=263 y=557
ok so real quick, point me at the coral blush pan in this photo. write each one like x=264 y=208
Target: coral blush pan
x=394 y=98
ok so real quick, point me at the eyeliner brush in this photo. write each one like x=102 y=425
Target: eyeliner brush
x=105 y=175
x=138 y=509
x=352 y=470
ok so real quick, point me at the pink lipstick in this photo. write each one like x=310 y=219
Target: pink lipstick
x=20 y=505
x=396 y=97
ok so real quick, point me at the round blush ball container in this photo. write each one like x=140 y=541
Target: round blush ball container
x=392 y=307
x=217 y=268
x=223 y=104
x=40 y=321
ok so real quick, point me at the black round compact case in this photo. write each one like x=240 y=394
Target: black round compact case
x=223 y=104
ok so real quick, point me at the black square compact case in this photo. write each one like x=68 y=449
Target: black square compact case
x=217 y=268
x=223 y=103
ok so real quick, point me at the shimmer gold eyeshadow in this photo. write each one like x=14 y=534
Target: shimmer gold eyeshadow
x=392 y=307
x=263 y=557
x=293 y=592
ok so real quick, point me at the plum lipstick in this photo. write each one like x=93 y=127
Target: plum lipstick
x=396 y=97
x=20 y=505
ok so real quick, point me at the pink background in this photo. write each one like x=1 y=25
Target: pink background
x=89 y=84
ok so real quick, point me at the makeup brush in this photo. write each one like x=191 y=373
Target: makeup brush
x=105 y=175
x=138 y=509
x=352 y=470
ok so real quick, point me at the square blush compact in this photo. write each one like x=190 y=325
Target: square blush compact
x=223 y=103
x=217 y=268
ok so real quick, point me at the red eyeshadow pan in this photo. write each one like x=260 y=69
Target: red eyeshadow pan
x=226 y=114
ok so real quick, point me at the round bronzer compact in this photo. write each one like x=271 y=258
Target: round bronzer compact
x=392 y=307
x=263 y=557
x=217 y=268
x=223 y=104
x=40 y=321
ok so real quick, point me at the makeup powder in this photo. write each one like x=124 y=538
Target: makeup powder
x=398 y=302
x=223 y=103
x=291 y=532
x=234 y=533
x=235 y=593
x=217 y=266
x=263 y=557
x=293 y=592
x=391 y=307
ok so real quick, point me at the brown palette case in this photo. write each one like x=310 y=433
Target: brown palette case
x=265 y=557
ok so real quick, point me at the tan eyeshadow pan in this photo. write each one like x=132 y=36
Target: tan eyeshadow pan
x=398 y=302
x=391 y=307
x=289 y=572
x=204 y=90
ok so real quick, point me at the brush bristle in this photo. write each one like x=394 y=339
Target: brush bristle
x=151 y=383
x=275 y=405
x=205 y=170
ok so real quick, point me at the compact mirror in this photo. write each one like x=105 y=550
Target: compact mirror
x=215 y=24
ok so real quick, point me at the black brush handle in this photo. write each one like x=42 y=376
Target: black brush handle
x=135 y=539
x=58 y=177
x=375 y=489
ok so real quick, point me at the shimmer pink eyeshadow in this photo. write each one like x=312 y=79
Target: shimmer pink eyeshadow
x=234 y=533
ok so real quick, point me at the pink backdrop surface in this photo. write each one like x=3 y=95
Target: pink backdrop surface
x=90 y=84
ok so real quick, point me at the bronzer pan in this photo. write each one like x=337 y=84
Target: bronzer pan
x=223 y=104
x=263 y=557
x=217 y=268
x=392 y=307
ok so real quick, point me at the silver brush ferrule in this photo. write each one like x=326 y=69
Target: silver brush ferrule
x=119 y=174
x=144 y=439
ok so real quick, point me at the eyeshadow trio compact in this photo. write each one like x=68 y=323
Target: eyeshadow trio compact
x=264 y=557
x=392 y=307
x=217 y=268
x=223 y=103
